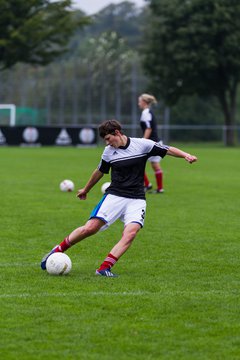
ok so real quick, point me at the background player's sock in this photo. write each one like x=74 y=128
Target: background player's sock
x=159 y=179
x=146 y=181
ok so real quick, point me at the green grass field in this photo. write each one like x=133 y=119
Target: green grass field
x=178 y=294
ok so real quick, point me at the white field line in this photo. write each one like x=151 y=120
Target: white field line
x=184 y=293
x=76 y=294
x=22 y=264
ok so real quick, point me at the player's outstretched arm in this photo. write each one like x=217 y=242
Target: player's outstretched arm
x=182 y=154
x=94 y=178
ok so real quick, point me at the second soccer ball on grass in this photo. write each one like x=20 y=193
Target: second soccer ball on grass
x=67 y=186
x=104 y=187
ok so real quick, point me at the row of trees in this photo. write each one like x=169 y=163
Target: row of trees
x=189 y=51
x=193 y=48
x=35 y=31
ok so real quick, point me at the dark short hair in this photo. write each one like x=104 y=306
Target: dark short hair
x=109 y=127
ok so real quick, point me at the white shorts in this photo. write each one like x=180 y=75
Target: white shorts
x=156 y=158
x=112 y=207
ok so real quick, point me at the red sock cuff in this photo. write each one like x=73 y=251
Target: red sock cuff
x=65 y=244
x=108 y=262
x=112 y=256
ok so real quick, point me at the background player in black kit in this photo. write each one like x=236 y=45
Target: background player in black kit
x=149 y=128
x=125 y=198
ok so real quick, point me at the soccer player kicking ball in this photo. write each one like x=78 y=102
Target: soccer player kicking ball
x=125 y=197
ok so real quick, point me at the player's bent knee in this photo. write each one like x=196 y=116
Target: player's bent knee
x=90 y=230
x=92 y=227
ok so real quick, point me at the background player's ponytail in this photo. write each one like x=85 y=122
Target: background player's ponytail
x=149 y=99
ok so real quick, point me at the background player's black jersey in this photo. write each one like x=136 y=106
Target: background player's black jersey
x=127 y=164
x=147 y=121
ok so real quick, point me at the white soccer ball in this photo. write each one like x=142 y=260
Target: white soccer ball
x=67 y=186
x=58 y=263
x=104 y=187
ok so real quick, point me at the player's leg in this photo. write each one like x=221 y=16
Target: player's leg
x=133 y=218
x=129 y=233
x=91 y=227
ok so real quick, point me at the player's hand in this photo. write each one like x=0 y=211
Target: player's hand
x=190 y=158
x=81 y=194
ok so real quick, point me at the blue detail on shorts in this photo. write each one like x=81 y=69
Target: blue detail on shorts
x=97 y=207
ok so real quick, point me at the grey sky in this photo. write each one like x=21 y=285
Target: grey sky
x=92 y=6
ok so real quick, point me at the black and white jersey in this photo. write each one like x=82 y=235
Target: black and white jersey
x=127 y=164
x=147 y=121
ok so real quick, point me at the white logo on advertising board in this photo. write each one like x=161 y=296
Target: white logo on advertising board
x=2 y=138
x=63 y=138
